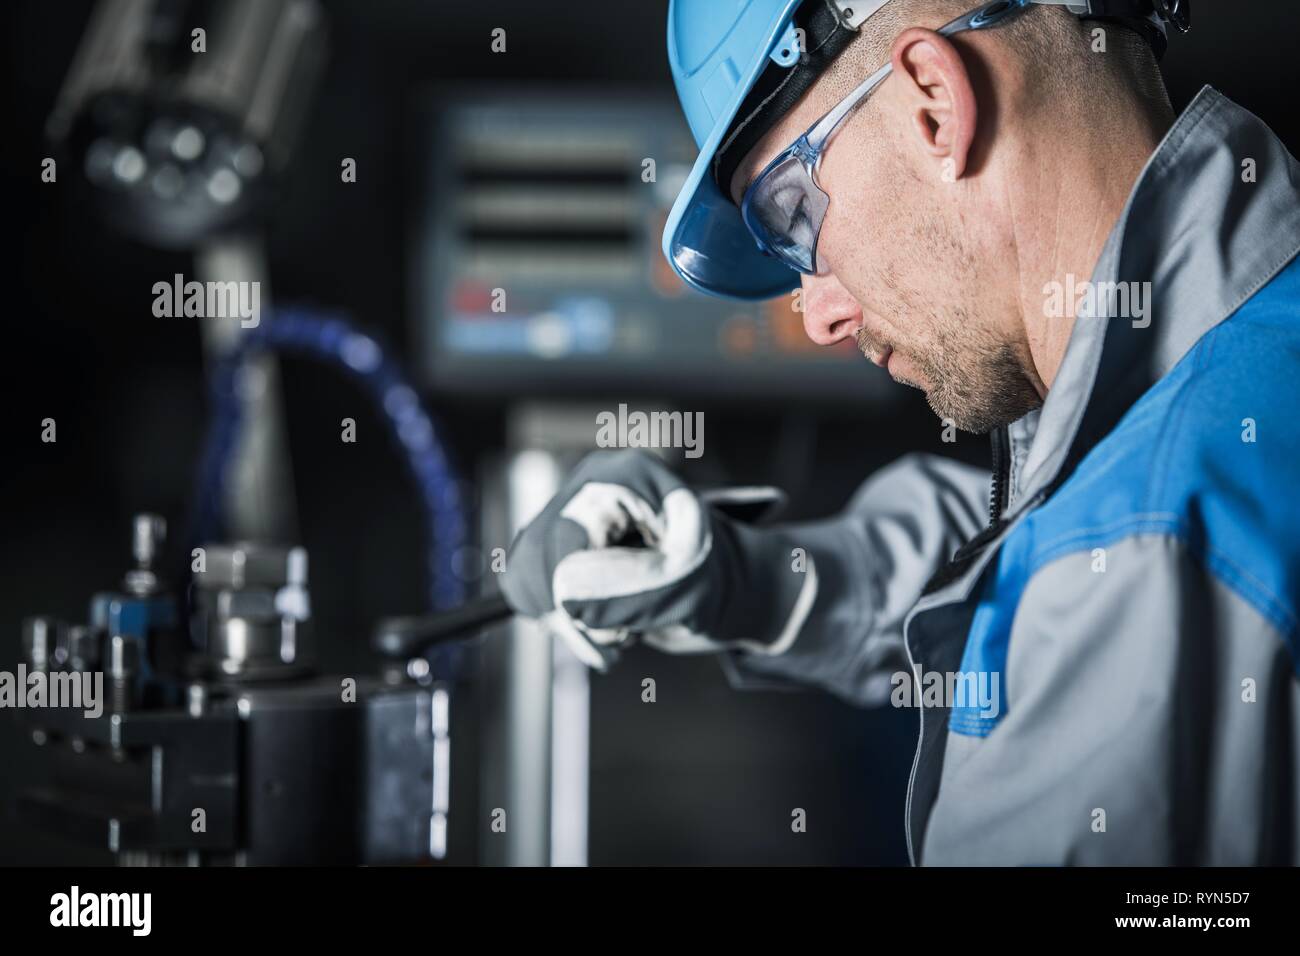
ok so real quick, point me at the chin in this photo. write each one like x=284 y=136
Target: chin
x=903 y=372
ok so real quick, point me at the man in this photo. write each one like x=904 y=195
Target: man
x=1000 y=207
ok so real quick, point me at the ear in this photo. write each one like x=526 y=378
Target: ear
x=937 y=94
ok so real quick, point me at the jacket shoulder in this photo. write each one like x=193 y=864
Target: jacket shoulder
x=1209 y=455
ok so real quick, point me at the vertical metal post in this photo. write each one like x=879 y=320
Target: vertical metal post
x=536 y=694
x=259 y=501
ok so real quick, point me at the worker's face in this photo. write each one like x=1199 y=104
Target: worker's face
x=915 y=246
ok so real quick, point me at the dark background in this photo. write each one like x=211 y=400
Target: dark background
x=708 y=775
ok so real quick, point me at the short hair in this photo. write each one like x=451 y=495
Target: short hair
x=1055 y=47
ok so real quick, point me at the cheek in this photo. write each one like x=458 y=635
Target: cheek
x=848 y=241
x=856 y=235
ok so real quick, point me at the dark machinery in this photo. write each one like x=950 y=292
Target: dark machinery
x=218 y=741
x=177 y=114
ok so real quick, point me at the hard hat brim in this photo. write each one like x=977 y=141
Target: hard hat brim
x=705 y=239
x=709 y=246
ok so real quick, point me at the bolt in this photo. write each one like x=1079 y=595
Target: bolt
x=40 y=637
x=123 y=658
x=196 y=699
x=150 y=535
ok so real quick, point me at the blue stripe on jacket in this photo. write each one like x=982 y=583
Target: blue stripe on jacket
x=1179 y=464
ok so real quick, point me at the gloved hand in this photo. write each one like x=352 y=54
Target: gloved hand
x=626 y=548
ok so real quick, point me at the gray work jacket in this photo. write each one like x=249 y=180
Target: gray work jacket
x=1134 y=599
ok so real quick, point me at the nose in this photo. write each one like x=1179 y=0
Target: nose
x=830 y=314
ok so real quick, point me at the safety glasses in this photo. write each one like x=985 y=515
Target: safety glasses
x=784 y=207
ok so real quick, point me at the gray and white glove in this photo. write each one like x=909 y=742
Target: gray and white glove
x=625 y=548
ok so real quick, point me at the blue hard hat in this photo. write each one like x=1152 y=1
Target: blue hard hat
x=717 y=49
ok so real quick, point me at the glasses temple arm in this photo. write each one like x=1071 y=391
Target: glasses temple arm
x=978 y=19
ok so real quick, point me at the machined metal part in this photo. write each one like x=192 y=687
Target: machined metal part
x=258 y=501
x=253 y=605
x=149 y=535
x=174 y=147
x=240 y=754
x=364 y=791
x=40 y=642
x=123 y=663
x=135 y=779
x=247 y=565
x=381 y=810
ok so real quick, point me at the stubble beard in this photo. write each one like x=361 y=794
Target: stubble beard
x=968 y=377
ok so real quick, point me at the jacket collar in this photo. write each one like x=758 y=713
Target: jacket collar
x=1206 y=238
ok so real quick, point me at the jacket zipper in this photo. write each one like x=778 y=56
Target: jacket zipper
x=998 y=491
x=1000 y=440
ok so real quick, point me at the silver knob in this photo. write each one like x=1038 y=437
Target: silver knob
x=40 y=637
x=148 y=540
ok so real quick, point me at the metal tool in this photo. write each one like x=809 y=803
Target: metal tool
x=407 y=637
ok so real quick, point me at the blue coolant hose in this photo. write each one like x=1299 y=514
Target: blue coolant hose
x=332 y=341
